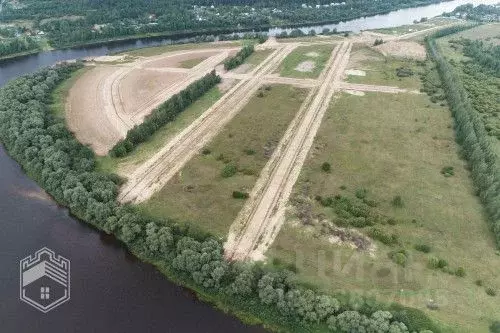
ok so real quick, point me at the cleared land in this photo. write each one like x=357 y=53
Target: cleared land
x=381 y=70
x=306 y=61
x=156 y=172
x=260 y=220
x=393 y=151
x=199 y=195
x=110 y=99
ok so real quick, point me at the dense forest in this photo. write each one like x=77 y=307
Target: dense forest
x=68 y=22
x=17 y=45
x=486 y=13
x=49 y=153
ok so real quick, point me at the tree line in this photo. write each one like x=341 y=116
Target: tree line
x=17 y=45
x=164 y=114
x=76 y=22
x=470 y=135
x=66 y=169
x=239 y=58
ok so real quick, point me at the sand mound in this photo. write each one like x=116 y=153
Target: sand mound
x=312 y=54
x=355 y=72
x=403 y=49
x=306 y=66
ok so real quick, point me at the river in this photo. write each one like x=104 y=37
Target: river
x=110 y=290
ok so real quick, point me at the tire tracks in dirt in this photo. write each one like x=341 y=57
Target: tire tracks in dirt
x=259 y=222
x=157 y=171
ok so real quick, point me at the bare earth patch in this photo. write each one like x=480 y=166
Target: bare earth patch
x=312 y=54
x=403 y=49
x=355 y=92
x=306 y=66
x=355 y=72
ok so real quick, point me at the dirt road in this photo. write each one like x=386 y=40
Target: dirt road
x=374 y=88
x=157 y=171
x=260 y=220
x=109 y=100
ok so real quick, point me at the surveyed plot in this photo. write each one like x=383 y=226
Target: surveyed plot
x=379 y=182
x=211 y=188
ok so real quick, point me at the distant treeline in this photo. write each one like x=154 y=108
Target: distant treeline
x=49 y=153
x=239 y=58
x=17 y=45
x=69 y=23
x=164 y=114
x=470 y=134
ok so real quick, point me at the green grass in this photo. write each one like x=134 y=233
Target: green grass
x=190 y=63
x=152 y=51
x=160 y=138
x=257 y=57
x=299 y=55
x=381 y=70
x=60 y=93
x=396 y=145
x=199 y=195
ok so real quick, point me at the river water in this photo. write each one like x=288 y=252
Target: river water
x=110 y=290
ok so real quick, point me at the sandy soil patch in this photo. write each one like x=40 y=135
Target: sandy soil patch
x=306 y=66
x=108 y=58
x=84 y=111
x=139 y=86
x=176 y=60
x=355 y=92
x=403 y=49
x=312 y=54
x=355 y=72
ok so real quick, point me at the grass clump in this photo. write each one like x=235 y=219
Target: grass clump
x=448 y=171
x=240 y=195
x=229 y=170
x=398 y=202
x=326 y=167
x=423 y=248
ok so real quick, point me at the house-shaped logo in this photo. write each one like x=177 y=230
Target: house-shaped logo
x=44 y=280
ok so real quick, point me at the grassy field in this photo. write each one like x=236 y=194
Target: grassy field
x=144 y=151
x=191 y=62
x=152 y=51
x=311 y=39
x=387 y=146
x=381 y=70
x=409 y=28
x=317 y=54
x=257 y=57
x=200 y=195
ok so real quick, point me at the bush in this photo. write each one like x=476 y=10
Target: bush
x=239 y=58
x=448 y=171
x=491 y=292
x=495 y=327
x=479 y=283
x=399 y=257
x=206 y=151
x=404 y=72
x=240 y=195
x=229 y=170
x=423 y=248
x=361 y=193
x=326 y=167
x=383 y=237
x=378 y=42
x=249 y=151
x=460 y=272
x=397 y=202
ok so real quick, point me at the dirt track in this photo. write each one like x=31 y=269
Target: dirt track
x=156 y=172
x=263 y=215
x=111 y=99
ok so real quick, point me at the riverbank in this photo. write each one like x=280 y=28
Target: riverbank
x=218 y=31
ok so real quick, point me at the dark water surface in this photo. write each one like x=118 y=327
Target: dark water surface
x=110 y=290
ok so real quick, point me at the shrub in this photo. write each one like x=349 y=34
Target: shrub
x=206 y=151
x=378 y=42
x=423 y=248
x=383 y=237
x=404 y=72
x=249 y=151
x=460 y=272
x=239 y=58
x=491 y=292
x=442 y=263
x=495 y=327
x=479 y=283
x=326 y=167
x=397 y=201
x=448 y=171
x=229 y=170
x=433 y=262
x=240 y=195
x=361 y=193
x=399 y=257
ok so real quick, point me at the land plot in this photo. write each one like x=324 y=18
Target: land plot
x=392 y=150
x=306 y=61
x=201 y=195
